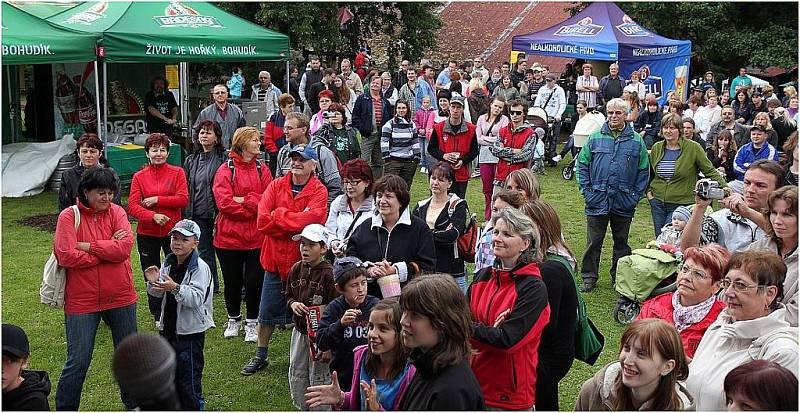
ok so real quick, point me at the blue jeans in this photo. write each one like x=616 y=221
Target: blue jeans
x=273 y=310
x=81 y=330
x=661 y=212
x=190 y=361
x=423 y=147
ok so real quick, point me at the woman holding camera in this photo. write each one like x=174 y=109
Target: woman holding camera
x=675 y=163
x=334 y=133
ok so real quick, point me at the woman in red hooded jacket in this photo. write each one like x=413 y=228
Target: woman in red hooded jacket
x=510 y=307
x=99 y=283
x=238 y=186
x=158 y=194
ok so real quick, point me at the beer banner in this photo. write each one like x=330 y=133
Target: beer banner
x=74 y=93
x=137 y=31
x=660 y=76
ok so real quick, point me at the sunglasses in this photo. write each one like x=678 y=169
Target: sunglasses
x=515 y=113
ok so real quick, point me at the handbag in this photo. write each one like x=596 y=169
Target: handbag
x=54 y=276
x=589 y=341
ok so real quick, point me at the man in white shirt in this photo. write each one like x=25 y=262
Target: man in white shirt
x=553 y=100
x=587 y=86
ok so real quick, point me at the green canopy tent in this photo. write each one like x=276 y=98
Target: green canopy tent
x=27 y=39
x=171 y=32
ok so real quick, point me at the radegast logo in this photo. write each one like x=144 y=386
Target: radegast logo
x=90 y=15
x=652 y=84
x=583 y=28
x=180 y=15
x=631 y=29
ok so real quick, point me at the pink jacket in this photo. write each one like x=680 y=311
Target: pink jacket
x=424 y=119
x=100 y=279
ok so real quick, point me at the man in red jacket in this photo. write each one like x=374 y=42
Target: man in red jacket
x=287 y=206
x=453 y=140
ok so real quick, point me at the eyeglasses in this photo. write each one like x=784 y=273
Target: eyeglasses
x=515 y=113
x=351 y=182
x=698 y=275
x=324 y=100
x=739 y=286
x=616 y=112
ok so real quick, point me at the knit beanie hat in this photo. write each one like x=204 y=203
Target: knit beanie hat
x=682 y=213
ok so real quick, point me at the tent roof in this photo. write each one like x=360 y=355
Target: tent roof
x=27 y=39
x=43 y=9
x=601 y=31
x=137 y=31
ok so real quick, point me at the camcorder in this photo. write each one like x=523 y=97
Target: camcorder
x=708 y=189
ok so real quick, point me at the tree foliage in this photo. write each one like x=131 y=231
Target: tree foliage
x=314 y=25
x=726 y=35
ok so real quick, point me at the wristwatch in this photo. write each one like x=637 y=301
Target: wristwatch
x=177 y=289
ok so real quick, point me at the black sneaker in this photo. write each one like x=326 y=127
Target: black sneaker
x=254 y=365
x=588 y=285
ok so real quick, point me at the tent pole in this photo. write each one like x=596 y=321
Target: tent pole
x=100 y=130
x=288 y=75
x=183 y=76
x=105 y=101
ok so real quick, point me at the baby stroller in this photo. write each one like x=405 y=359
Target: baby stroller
x=537 y=118
x=585 y=126
x=644 y=274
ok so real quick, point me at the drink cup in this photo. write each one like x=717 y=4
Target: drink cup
x=390 y=285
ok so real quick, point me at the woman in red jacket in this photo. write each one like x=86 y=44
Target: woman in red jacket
x=158 y=193
x=238 y=186
x=694 y=305
x=99 y=284
x=510 y=306
x=289 y=204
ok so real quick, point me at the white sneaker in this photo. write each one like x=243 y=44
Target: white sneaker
x=557 y=158
x=423 y=170
x=250 y=331
x=232 y=328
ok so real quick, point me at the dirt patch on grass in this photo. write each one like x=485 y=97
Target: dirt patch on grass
x=45 y=222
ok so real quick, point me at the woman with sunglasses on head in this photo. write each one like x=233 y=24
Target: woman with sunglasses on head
x=694 y=305
x=753 y=326
x=782 y=239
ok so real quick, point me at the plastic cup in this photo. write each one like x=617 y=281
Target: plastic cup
x=390 y=285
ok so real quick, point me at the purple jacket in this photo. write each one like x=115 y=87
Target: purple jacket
x=352 y=399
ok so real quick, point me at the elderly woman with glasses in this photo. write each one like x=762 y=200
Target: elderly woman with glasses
x=752 y=327
x=694 y=305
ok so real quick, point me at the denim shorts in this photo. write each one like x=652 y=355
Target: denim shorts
x=273 y=310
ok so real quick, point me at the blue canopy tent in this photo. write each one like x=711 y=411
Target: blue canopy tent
x=603 y=31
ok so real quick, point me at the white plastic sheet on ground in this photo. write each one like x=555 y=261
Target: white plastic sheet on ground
x=28 y=166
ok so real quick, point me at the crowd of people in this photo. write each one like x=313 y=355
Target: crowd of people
x=313 y=227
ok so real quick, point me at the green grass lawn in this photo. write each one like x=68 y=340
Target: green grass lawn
x=26 y=249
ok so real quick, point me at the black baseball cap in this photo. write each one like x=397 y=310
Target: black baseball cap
x=345 y=265
x=762 y=128
x=15 y=341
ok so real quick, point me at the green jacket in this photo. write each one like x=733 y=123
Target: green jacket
x=691 y=161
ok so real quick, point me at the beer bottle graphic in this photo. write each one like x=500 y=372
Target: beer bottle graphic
x=66 y=95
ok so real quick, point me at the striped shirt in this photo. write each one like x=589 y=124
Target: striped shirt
x=589 y=97
x=399 y=140
x=666 y=167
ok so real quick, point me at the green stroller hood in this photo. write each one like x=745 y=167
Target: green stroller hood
x=640 y=273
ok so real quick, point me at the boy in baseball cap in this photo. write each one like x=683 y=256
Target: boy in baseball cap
x=22 y=389
x=184 y=282
x=309 y=287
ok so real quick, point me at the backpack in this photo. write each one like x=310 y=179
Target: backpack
x=320 y=170
x=233 y=169
x=54 y=276
x=466 y=242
